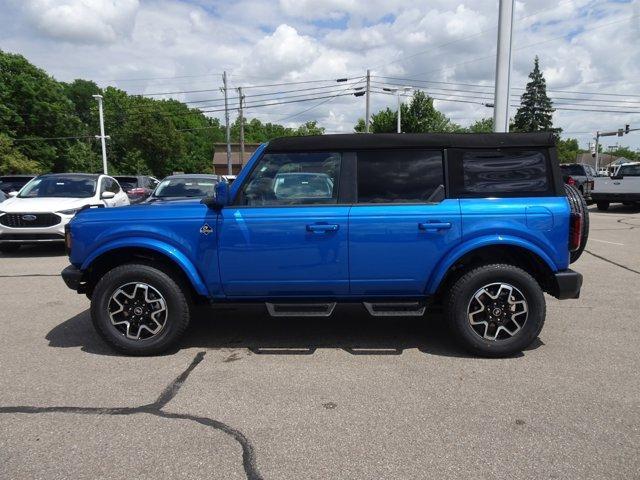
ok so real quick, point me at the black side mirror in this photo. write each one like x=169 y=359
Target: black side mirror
x=219 y=198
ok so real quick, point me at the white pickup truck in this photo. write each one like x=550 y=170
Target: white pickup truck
x=622 y=187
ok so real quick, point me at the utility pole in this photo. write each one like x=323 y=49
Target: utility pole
x=226 y=119
x=241 y=114
x=368 y=108
x=503 y=67
x=102 y=136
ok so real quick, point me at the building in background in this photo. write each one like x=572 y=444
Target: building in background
x=220 y=157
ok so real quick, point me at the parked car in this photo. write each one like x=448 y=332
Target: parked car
x=622 y=187
x=580 y=176
x=480 y=224
x=13 y=183
x=47 y=203
x=137 y=187
x=183 y=186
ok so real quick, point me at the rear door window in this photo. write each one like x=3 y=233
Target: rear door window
x=399 y=176
x=500 y=173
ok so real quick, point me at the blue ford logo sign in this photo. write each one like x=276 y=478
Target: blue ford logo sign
x=29 y=218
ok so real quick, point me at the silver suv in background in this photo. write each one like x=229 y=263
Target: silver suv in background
x=580 y=175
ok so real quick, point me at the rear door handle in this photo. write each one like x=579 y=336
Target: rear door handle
x=434 y=226
x=322 y=227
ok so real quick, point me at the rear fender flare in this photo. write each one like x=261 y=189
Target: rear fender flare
x=485 y=241
x=175 y=255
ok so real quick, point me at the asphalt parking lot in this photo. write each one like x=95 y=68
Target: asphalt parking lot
x=248 y=396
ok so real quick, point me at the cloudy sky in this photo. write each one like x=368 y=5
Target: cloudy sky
x=444 y=47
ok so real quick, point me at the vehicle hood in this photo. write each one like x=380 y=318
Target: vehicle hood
x=37 y=205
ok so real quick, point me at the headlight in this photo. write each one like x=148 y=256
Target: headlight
x=71 y=211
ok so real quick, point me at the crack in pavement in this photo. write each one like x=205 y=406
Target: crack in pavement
x=612 y=262
x=156 y=408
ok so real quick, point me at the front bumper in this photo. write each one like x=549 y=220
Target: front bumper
x=566 y=284
x=73 y=277
x=25 y=235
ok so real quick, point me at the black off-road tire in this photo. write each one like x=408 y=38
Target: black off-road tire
x=578 y=205
x=602 y=206
x=174 y=293
x=461 y=294
x=9 y=247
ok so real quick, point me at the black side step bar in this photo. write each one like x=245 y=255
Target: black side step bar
x=395 y=309
x=300 y=309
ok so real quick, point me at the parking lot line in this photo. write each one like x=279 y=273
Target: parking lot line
x=605 y=241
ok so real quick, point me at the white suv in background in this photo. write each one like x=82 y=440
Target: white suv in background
x=39 y=212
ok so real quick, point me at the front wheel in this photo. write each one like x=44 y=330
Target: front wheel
x=139 y=310
x=496 y=310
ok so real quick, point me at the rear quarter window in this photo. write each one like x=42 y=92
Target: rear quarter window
x=505 y=172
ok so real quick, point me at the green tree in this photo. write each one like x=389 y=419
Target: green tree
x=309 y=128
x=536 y=109
x=81 y=93
x=625 y=152
x=484 y=125
x=13 y=160
x=418 y=116
x=568 y=149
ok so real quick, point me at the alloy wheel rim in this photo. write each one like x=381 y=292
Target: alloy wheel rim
x=497 y=311
x=138 y=311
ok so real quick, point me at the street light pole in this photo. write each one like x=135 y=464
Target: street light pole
x=503 y=67
x=367 y=120
x=227 y=126
x=102 y=136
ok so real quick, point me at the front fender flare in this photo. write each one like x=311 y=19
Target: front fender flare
x=169 y=251
x=485 y=241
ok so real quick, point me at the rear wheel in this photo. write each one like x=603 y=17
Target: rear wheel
x=496 y=310
x=139 y=310
x=602 y=206
x=9 y=247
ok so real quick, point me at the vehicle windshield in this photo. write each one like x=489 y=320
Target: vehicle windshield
x=629 y=171
x=127 y=183
x=69 y=187
x=572 y=169
x=185 y=187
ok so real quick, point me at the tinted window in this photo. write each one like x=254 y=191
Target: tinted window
x=293 y=179
x=74 y=187
x=572 y=169
x=398 y=176
x=112 y=186
x=515 y=172
x=630 y=171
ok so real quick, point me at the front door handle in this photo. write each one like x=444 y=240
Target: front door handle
x=322 y=227
x=434 y=226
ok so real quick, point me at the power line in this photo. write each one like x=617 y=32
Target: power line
x=39 y=139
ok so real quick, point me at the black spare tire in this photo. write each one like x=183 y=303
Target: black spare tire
x=578 y=206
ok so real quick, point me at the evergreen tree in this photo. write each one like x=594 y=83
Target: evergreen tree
x=536 y=108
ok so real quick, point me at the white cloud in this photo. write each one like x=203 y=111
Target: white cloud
x=262 y=41
x=83 y=21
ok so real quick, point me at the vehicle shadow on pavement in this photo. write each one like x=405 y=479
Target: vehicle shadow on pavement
x=615 y=209
x=45 y=250
x=249 y=327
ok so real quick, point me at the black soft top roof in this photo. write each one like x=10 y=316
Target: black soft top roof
x=356 y=141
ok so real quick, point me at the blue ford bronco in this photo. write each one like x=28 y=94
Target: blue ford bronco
x=475 y=225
